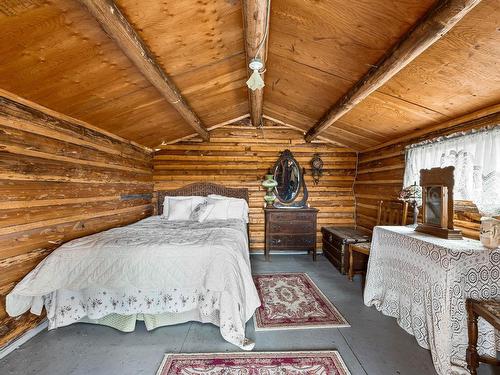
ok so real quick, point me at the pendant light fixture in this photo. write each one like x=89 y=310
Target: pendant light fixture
x=255 y=82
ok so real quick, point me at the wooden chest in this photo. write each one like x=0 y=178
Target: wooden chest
x=290 y=229
x=336 y=241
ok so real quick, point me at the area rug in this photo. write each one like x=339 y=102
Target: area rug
x=293 y=301
x=250 y=363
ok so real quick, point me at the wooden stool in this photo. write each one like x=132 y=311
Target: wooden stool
x=356 y=251
x=489 y=311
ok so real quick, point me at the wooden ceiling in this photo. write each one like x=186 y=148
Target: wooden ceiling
x=55 y=53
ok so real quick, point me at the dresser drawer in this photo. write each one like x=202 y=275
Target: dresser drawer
x=292 y=241
x=292 y=227
x=291 y=216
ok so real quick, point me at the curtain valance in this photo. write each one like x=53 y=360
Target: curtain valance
x=476 y=158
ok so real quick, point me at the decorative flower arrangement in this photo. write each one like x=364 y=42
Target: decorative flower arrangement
x=412 y=193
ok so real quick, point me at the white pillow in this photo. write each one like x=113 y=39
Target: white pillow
x=180 y=208
x=166 y=202
x=216 y=210
x=238 y=208
x=198 y=210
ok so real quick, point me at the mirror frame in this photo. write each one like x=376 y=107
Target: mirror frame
x=292 y=203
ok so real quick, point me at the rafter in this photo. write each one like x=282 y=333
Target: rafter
x=436 y=22
x=255 y=14
x=121 y=31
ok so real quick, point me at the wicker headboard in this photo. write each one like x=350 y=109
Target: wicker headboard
x=201 y=189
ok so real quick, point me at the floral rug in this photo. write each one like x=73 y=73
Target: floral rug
x=293 y=301
x=250 y=363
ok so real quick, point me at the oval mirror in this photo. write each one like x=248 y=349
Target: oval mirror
x=288 y=176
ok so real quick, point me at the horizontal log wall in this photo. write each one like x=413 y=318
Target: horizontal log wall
x=59 y=179
x=240 y=156
x=380 y=177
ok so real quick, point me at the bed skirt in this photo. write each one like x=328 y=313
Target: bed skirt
x=121 y=310
x=126 y=323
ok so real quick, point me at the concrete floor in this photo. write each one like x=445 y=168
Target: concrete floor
x=373 y=345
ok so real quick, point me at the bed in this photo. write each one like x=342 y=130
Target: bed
x=159 y=271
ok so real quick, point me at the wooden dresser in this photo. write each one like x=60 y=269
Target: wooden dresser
x=290 y=229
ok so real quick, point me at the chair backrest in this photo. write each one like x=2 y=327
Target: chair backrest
x=392 y=213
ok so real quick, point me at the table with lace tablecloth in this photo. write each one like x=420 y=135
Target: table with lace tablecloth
x=423 y=281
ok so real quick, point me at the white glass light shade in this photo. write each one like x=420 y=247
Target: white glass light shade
x=255 y=82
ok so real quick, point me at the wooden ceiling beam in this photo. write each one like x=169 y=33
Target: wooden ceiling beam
x=255 y=21
x=430 y=28
x=121 y=31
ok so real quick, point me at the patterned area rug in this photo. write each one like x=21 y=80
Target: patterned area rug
x=250 y=363
x=293 y=301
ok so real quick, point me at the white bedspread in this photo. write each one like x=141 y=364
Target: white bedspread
x=153 y=266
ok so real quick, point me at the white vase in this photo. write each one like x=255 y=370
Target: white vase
x=490 y=232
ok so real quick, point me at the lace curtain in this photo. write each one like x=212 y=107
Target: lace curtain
x=476 y=158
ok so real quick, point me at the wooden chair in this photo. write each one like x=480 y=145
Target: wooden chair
x=388 y=213
x=489 y=311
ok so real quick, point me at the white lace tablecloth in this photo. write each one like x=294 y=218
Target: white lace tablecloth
x=423 y=281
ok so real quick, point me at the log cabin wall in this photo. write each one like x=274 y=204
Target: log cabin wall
x=380 y=177
x=381 y=171
x=59 y=179
x=240 y=156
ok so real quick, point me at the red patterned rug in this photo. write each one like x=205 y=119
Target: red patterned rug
x=250 y=363
x=293 y=301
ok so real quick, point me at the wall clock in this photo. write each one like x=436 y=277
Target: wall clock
x=317 y=168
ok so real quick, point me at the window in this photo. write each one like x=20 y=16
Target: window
x=476 y=158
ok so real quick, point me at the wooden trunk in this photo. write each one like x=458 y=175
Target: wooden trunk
x=336 y=241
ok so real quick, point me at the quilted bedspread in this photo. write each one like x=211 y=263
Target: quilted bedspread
x=153 y=266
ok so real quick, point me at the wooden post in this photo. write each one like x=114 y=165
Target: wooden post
x=471 y=352
x=255 y=14
x=437 y=22
x=121 y=31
